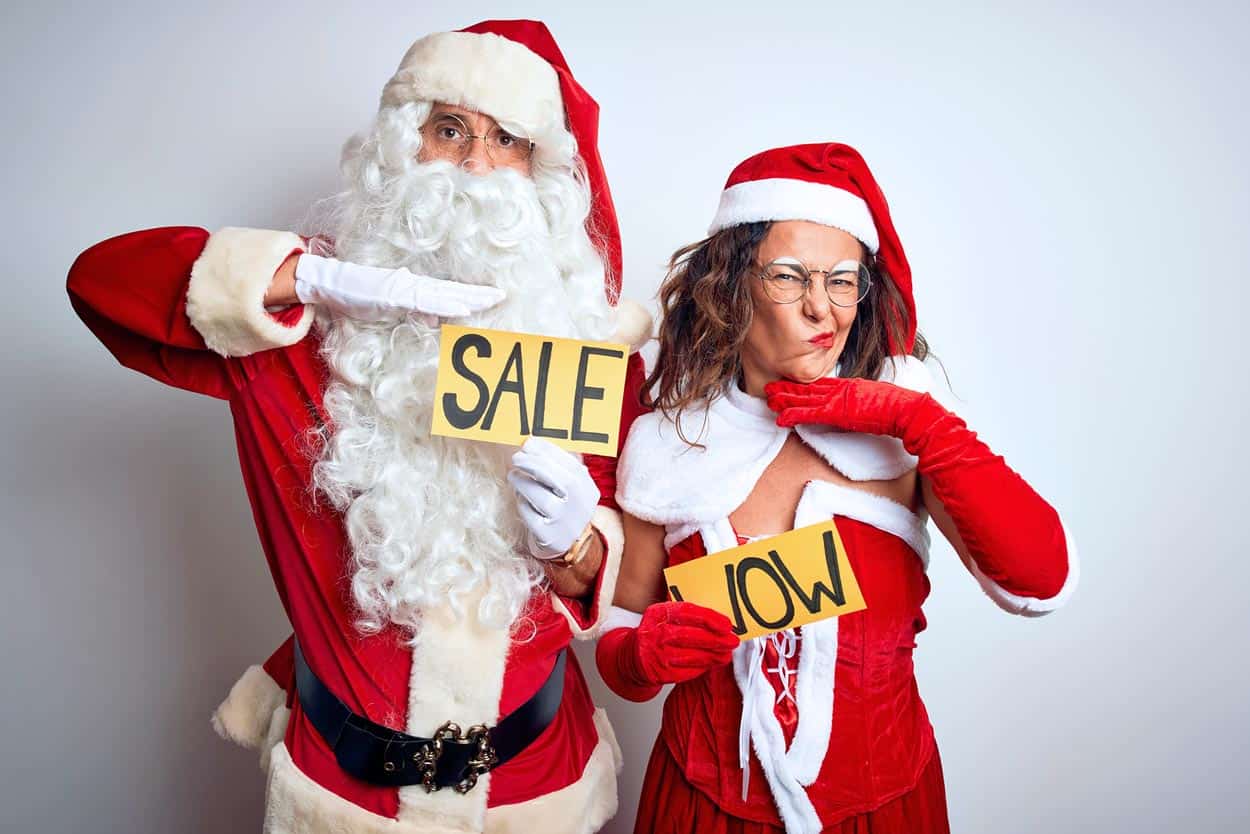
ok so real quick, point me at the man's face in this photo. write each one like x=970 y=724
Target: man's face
x=472 y=140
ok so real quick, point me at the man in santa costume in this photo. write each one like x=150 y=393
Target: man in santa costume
x=433 y=584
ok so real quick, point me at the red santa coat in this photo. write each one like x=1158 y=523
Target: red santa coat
x=186 y=308
x=848 y=733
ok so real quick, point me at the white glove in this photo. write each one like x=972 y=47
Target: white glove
x=554 y=494
x=373 y=293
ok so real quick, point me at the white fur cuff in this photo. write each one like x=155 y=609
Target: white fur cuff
x=608 y=522
x=246 y=714
x=1031 y=606
x=620 y=618
x=226 y=297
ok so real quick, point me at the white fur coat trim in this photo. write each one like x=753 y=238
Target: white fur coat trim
x=814 y=693
x=786 y=199
x=797 y=812
x=226 y=296
x=1032 y=606
x=443 y=687
x=484 y=72
x=822 y=500
x=295 y=804
x=664 y=480
x=620 y=618
x=245 y=715
x=277 y=732
x=581 y=808
x=608 y=522
x=789 y=771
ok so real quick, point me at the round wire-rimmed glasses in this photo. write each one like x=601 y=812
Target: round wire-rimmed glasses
x=449 y=136
x=786 y=280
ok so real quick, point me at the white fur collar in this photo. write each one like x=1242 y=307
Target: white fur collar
x=664 y=480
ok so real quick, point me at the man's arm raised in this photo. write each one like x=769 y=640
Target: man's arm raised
x=172 y=302
x=164 y=300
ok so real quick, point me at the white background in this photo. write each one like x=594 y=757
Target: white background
x=1070 y=185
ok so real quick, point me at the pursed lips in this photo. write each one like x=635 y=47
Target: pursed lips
x=823 y=340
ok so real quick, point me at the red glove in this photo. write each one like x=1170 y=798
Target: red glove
x=1012 y=534
x=675 y=642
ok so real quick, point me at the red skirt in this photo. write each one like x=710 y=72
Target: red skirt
x=670 y=805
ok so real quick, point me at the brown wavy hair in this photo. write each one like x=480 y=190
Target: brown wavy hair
x=706 y=308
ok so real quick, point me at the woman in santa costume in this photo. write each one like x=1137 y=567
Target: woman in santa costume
x=790 y=390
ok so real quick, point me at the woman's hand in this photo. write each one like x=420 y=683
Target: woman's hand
x=678 y=641
x=1015 y=542
x=859 y=405
x=673 y=642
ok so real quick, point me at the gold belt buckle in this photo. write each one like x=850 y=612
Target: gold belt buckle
x=484 y=758
x=427 y=757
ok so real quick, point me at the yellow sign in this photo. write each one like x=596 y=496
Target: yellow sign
x=504 y=387
x=773 y=584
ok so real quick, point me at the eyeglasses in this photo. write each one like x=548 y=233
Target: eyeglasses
x=786 y=280
x=449 y=137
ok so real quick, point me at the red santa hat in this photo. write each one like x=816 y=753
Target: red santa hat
x=513 y=71
x=826 y=183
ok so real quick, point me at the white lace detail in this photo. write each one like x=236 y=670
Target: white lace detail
x=786 y=644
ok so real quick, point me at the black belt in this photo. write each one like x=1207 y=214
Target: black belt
x=452 y=758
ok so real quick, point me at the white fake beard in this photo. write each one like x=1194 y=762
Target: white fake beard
x=432 y=520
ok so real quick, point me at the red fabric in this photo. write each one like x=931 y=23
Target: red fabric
x=281 y=665
x=131 y=292
x=1013 y=535
x=671 y=805
x=675 y=642
x=881 y=738
x=582 y=113
x=785 y=708
x=614 y=653
x=840 y=166
x=603 y=468
x=585 y=611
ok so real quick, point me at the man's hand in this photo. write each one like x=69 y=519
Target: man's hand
x=575 y=580
x=373 y=293
x=555 y=496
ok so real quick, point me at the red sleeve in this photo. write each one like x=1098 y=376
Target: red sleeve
x=602 y=468
x=586 y=612
x=281 y=666
x=131 y=291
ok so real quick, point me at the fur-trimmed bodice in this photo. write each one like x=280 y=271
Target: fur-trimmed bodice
x=837 y=726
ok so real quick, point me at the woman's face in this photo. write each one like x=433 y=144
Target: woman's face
x=802 y=340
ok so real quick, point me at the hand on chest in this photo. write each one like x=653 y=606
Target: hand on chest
x=770 y=507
